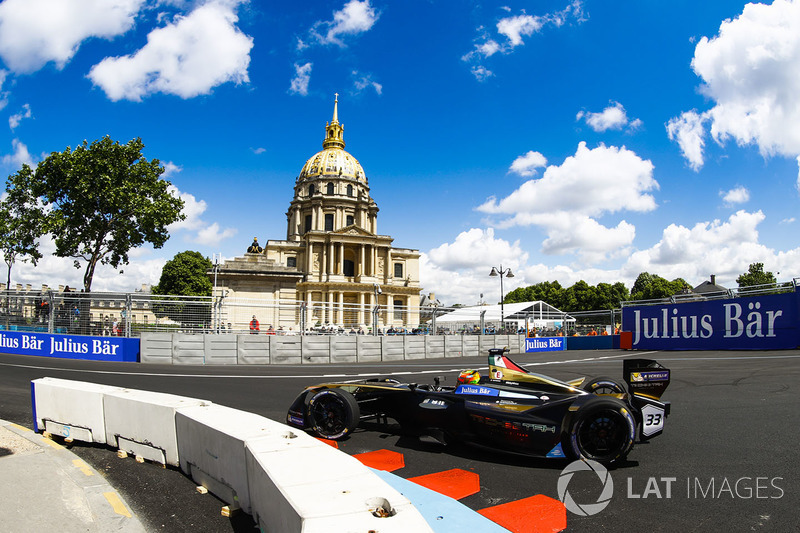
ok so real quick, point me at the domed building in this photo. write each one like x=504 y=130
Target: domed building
x=333 y=264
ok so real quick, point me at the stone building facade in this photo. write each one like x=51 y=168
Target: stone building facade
x=333 y=260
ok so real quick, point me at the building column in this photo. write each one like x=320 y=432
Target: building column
x=340 y=310
x=329 y=260
x=362 y=257
x=340 y=259
x=330 y=315
x=360 y=314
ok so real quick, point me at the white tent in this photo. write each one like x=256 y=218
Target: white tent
x=539 y=313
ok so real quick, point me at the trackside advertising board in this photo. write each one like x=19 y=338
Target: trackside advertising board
x=70 y=346
x=545 y=344
x=766 y=322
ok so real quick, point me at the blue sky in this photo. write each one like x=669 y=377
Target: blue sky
x=567 y=140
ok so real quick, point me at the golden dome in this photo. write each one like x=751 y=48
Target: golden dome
x=333 y=160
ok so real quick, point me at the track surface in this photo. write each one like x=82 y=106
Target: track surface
x=727 y=455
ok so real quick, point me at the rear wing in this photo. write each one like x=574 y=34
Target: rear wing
x=645 y=377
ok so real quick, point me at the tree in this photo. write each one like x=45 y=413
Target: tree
x=186 y=274
x=652 y=287
x=21 y=224
x=755 y=275
x=102 y=200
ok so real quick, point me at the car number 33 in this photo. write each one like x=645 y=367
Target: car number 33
x=652 y=420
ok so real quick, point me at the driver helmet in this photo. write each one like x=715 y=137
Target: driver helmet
x=471 y=377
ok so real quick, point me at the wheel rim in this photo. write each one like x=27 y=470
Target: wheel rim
x=603 y=435
x=329 y=415
x=606 y=387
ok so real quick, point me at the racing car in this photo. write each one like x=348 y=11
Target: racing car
x=510 y=409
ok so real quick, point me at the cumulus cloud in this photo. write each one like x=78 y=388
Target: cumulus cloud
x=3 y=94
x=526 y=165
x=187 y=58
x=354 y=18
x=16 y=118
x=688 y=131
x=612 y=117
x=302 y=77
x=200 y=231
x=722 y=247
x=36 y=32
x=481 y=73
x=737 y=195
x=751 y=71
x=19 y=156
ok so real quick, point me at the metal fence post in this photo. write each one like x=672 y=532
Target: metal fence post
x=127 y=314
x=50 y=311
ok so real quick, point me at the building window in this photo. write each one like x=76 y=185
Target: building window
x=330 y=189
x=399 y=311
x=291 y=262
x=349 y=190
x=349 y=268
x=350 y=220
x=308 y=223
x=398 y=270
x=311 y=190
x=329 y=222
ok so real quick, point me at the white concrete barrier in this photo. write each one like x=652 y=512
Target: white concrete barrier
x=142 y=423
x=298 y=484
x=211 y=447
x=71 y=409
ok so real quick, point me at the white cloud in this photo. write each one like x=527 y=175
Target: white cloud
x=258 y=151
x=3 y=94
x=187 y=58
x=688 y=131
x=170 y=169
x=737 y=195
x=751 y=70
x=15 y=119
x=514 y=28
x=788 y=220
x=481 y=73
x=301 y=79
x=365 y=81
x=202 y=232
x=36 y=32
x=526 y=165
x=612 y=117
x=19 y=157
x=725 y=248
x=354 y=18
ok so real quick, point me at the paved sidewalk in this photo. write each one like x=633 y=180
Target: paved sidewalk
x=44 y=486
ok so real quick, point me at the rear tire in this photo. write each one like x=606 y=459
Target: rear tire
x=602 y=430
x=602 y=386
x=333 y=413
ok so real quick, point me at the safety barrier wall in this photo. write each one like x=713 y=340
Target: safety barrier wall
x=314 y=349
x=69 y=346
x=288 y=480
x=759 y=322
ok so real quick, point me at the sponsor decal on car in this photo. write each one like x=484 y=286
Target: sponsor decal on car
x=477 y=389
x=296 y=420
x=650 y=376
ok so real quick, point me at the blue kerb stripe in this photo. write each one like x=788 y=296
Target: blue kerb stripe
x=33 y=404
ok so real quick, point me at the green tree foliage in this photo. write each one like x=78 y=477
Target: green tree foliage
x=579 y=297
x=653 y=287
x=186 y=274
x=102 y=200
x=755 y=275
x=21 y=224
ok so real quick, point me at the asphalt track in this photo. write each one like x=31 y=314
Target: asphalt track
x=726 y=460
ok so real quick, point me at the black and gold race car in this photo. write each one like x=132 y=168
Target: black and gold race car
x=511 y=409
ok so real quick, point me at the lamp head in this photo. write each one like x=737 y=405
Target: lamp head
x=509 y=274
x=494 y=273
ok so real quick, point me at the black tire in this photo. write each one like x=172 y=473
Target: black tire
x=602 y=386
x=602 y=430
x=332 y=413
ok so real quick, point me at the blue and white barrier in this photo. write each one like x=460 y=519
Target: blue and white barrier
x=288 y=480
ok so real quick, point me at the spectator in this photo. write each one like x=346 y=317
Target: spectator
x=254 y=326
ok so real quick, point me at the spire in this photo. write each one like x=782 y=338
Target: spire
x=334 y=132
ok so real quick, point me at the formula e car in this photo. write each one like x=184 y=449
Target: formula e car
x=511 y=409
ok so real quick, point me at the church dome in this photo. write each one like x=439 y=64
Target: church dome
x=333 y=160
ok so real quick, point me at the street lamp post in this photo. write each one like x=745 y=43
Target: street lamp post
x=507 y=273
x=376 y=308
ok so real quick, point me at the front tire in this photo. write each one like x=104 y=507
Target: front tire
x=603 y=430
x=333 y=413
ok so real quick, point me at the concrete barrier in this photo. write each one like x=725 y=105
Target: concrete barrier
x=70 y=409
x=142 y=423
